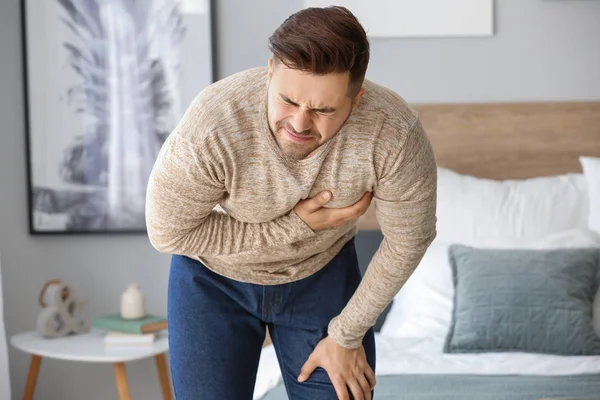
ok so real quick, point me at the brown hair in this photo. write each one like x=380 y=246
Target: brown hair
x=321 y=41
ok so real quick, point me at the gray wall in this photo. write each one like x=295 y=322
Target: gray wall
x=543 y=50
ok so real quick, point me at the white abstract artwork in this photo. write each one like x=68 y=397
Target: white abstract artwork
x=107 y=82
x=193 y=6
x=420 y=18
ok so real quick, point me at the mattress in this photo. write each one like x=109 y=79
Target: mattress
x=417 y=368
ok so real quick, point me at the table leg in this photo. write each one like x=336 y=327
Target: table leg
x=122 y=384
x=163 y=375
x=34 y=369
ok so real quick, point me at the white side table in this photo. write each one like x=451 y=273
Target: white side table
x=90 y=347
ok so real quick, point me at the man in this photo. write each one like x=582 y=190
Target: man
x=292 y=155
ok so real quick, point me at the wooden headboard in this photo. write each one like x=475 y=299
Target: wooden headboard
x=509 y=140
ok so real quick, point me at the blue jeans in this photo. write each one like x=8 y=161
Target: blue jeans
x=217 y=328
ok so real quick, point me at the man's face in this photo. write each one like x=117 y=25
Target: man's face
x=306 y=110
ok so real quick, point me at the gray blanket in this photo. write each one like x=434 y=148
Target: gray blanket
x=478 y=387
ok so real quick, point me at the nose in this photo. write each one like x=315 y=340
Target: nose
x=301 y=121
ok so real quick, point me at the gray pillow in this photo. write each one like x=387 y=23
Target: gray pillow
x=535 y=301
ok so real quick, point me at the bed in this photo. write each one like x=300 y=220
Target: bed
x=512 y=177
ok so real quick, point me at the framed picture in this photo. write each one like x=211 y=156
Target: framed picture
x=420 y=18
x=106 y=81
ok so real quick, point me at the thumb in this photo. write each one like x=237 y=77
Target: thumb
x=307 y=369
x=320 y=200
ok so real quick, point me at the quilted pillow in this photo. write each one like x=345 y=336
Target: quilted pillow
x=524 y=300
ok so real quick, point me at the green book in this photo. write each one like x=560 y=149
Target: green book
x=114 y=322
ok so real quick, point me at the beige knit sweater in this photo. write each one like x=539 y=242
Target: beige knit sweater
x=222 y=192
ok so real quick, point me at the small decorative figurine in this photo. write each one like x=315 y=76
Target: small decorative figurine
x=62 y=313
x=133 y=304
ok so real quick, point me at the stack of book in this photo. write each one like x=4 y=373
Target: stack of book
x=129 y=332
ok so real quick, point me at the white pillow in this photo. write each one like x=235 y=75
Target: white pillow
x=423 y=307
x=475 y=211
x=591 y=171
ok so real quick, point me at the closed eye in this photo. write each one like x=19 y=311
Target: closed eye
x=326 y=110
x=288 y=101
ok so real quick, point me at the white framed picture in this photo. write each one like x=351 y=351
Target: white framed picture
x=106 y=82
x=419 y=18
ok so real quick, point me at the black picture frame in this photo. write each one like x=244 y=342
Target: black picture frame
x=91 y=77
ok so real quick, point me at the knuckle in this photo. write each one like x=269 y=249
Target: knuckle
x=341 y=384
x=337 y=377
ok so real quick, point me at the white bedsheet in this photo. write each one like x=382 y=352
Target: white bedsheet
x=424 y=356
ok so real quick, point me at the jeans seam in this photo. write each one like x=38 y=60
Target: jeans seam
x=263 y=307
x=286 y=383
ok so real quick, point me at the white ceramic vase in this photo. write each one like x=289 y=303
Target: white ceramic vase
x=133 y=304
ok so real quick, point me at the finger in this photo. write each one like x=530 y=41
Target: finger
x=340 y=389
x=370 y=375
x=319 y=200
x=364 y=202
x=364 y=385
x=361 y=206
x=356 y=390
x=341 y=215
x=307 y=369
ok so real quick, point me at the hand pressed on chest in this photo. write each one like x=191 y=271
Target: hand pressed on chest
x=264 y=190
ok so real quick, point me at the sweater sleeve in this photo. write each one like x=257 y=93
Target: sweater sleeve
x=184 y=188
x=405 y=207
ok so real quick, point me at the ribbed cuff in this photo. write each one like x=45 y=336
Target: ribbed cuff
x=344 y=338
x=301 y=229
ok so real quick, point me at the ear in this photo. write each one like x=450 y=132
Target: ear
x=270 y=67
x=357 y=98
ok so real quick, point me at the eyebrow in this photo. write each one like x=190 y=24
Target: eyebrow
x=323 y=110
